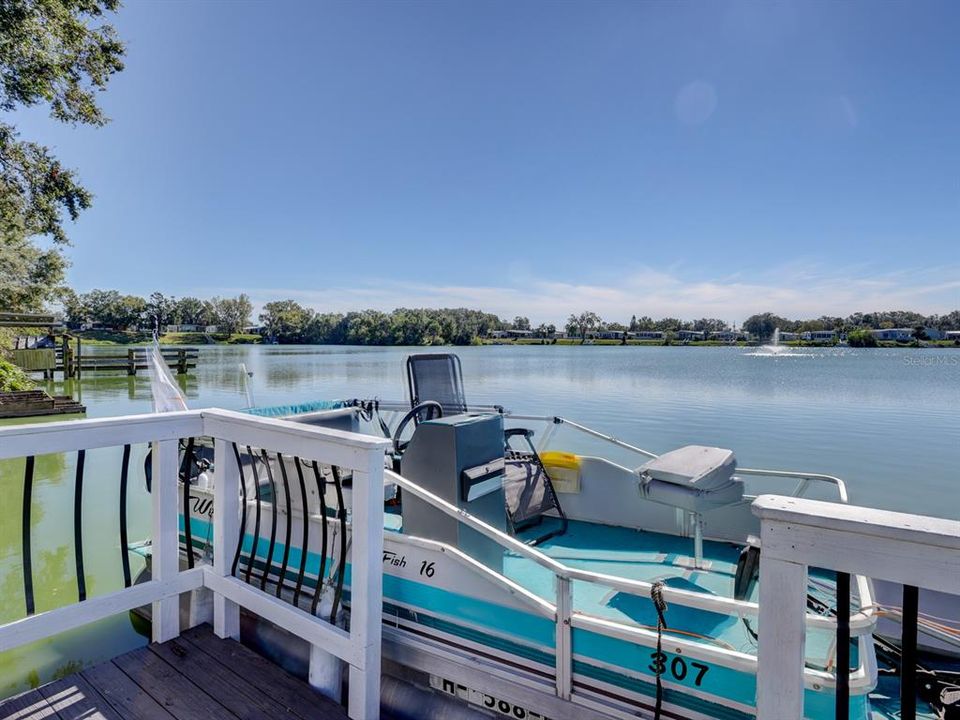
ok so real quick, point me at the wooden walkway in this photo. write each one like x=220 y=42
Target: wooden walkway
x=197 y=676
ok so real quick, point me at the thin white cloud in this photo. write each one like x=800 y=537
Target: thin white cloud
x=798 y=291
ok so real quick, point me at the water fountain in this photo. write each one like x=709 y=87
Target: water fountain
x=773 y=348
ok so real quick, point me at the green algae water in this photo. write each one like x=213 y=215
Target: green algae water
x=886 y=421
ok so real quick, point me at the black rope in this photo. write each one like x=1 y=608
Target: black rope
x=656 y=594
x=321 y=487
x=273 y=522
x=305 y=545
x=256 y=517
x=185 y=467
x=286 y=542
x=341 y=570
x=78 y=526
x=243 y=510
x=26 y=554
x=124 y=544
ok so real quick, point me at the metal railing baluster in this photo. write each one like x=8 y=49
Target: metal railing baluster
x=321 y=485
x=305 y=521
x=341 y=570
x=256 y=517
x=78 y=526
x=843 y=647
x=273 y=522
x=286 y=541
x=185 y=468
x=26 y=554
x=243 y=510
x=124 y=541
x=908 y=660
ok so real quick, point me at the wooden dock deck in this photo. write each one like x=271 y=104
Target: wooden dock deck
x=196 y=676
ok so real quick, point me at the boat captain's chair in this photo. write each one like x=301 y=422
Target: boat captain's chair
x=695 y=479
x=437 y=379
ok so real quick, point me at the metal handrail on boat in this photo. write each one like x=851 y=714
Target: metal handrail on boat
x=861 y=621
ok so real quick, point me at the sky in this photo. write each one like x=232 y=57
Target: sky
x=679 y=159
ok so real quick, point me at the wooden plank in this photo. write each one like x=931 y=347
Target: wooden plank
x=42 y=625
x=30 y=705
x=165 y=565
x=180 y=698
x=67 y=436
x=261 y=674
x=928 y=531
x=226 y=531
x=76 y=699
x=219 y=682
x=780 y=656
x=123 y=694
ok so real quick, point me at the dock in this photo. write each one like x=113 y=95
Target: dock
x=36 y=403
x=71 y=361
x=196 y=675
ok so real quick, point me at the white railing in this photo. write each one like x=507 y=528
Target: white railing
x=921 y=552
x=359 y=648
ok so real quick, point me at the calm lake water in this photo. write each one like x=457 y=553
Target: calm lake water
x=886 y=421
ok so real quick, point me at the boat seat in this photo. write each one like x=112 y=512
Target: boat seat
x=693 y=478
x=528 y=490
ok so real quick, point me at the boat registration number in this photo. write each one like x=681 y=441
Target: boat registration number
x=475 y=697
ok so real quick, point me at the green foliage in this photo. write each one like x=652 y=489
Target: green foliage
x=58 y=53
x=13 y=378
x=861 y=337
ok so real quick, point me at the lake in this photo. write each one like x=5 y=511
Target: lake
x=887 y=421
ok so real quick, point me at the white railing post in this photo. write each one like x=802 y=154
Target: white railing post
x=226 y=533
x=782 y=639
x=564 y=644
x=366 y=597
x=165 y=548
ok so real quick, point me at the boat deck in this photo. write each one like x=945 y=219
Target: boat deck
x=196 y=676
x=650 y=557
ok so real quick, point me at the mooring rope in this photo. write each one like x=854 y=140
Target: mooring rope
x=659 y=665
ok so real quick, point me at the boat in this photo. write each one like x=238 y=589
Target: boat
x=526 y=580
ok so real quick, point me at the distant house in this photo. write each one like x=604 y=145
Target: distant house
x=609 y=335
x=183 y=328
x=934 y=333
x=690 y=335
x=789 y=336
x=645 y=335
x=952 y=335
x=511 y=334
x=725 y=335
x=895 y=334
x=819 y=335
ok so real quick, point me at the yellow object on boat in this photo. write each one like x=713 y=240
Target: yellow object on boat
x=563 y=469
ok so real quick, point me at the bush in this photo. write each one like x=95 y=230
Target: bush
x=13 y=378
x=862 y=337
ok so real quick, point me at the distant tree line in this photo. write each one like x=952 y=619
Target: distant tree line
x=764 y=324
x=289 y=322
x=109 y=308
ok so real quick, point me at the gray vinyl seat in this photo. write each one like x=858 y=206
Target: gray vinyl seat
x=693 y=478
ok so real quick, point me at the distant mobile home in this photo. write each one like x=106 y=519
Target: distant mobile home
x=896 y=334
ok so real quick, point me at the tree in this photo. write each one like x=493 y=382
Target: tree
x=286 y=320
x=189 y=311
x=583 y=323
x=521 y=323
x=230 y=314
x=159 y=310
x=764 y=324
x=52 y=52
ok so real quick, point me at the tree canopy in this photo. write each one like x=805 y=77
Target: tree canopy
x=58 y=53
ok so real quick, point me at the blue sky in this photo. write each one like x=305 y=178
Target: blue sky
x=538 y=158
